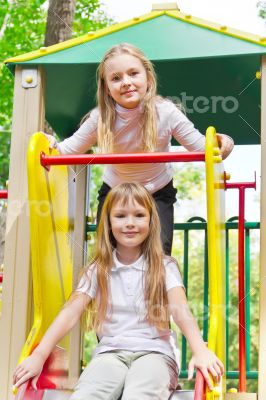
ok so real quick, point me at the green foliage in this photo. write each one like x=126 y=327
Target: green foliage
x=89 y=16
x=23 y=25
x=188 y=179
x=4 y=151
x=90 y=342
x=95 y=183
x=252 y=329
x=262 y=9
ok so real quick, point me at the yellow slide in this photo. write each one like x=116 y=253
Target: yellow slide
x=50 y=253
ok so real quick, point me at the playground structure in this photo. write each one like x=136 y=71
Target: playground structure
x=51 y=261
x=236 y=60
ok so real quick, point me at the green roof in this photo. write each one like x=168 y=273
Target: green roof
x=211 y=68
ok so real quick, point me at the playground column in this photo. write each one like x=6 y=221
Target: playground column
x=262 y=313
x=79 y=259
x=28 y=117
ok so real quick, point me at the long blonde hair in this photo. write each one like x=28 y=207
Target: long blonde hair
x=155 y=294
x=106 y=103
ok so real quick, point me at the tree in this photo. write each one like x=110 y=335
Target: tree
x=59 y=21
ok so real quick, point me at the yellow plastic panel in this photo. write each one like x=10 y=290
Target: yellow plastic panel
x=50 y=241
x=216 y=251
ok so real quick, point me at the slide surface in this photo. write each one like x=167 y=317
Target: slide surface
x=50 y=255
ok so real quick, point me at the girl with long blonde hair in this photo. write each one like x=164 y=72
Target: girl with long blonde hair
x=130 y=290
x=131 y=118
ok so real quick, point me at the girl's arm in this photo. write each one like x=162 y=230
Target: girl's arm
x=82 y=140
x=202 y=357
x=188 y=136
x=32 y=366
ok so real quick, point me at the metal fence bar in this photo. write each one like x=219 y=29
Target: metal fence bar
x=227 y=293
x=185 y=280
x=247 y=295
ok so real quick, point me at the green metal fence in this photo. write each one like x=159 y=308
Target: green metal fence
x=198 y=223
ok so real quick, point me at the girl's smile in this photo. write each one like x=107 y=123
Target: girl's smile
x=126 y=80
x=129 y=92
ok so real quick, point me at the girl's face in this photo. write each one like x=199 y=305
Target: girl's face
x=130 y=225
x=126 y=80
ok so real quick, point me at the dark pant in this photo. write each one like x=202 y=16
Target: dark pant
x=164 y=199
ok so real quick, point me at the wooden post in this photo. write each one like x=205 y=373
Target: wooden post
x=262 y=312
x=78 y=263
x=28 y=117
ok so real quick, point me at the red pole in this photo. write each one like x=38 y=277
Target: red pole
x=241 y=291
x=241 y=186
x=121 y=158
x=3 y=194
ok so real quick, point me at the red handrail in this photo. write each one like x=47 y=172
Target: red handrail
x=121 y=158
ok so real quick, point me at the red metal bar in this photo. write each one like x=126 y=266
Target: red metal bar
x=200 y=386
x=241 y=291
x=241 y=186
x=238 y=185
x=121 y=158
x=3 y=194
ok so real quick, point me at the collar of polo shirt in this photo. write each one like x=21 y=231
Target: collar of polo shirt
x=138 y=264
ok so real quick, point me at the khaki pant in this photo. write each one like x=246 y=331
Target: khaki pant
x=127 y=375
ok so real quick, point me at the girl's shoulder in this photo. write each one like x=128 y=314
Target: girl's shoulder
x=172 y=273
x=169 y=262
x=88 y=280
x=91 y=268
x=92 y=115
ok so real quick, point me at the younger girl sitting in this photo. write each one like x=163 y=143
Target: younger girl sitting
x=131 y=289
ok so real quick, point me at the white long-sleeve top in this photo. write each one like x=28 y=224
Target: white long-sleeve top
x=127 y=139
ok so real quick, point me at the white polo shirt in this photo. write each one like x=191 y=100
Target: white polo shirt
x=126 y=327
